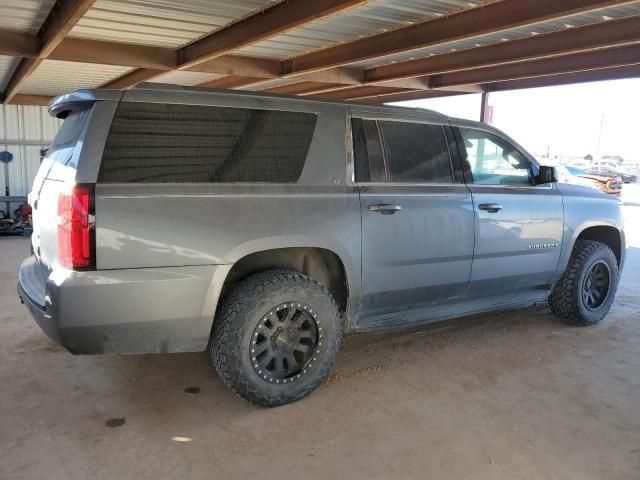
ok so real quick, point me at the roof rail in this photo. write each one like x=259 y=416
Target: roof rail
x=249 y=93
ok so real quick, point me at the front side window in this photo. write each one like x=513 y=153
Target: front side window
x=493 y=161
x=416 y=152
x=151 y=143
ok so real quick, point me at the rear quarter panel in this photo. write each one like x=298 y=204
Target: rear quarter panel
x=174 y=225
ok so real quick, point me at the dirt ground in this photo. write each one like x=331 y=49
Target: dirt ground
x=514 y=395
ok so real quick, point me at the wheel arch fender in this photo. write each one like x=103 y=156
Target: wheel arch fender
x=604 y=231
x=332 y=264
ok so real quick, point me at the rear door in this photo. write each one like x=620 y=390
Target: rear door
x=518 y=226
x=57 y=172
x=417 y=219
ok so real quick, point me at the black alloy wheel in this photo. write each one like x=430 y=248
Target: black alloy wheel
x=596 y=284
x=275 y=337
x=285 y=342
x=584 y=294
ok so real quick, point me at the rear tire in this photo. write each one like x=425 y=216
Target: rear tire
x=275 y=337
x=586 y=291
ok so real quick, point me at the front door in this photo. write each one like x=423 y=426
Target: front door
x=417 y=220
x=519 y=225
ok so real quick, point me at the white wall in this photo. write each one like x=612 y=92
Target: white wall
x=24 y=130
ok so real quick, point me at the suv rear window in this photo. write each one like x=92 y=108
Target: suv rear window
x=202 y=144
x=64 y=143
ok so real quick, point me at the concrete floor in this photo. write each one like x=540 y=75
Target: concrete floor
x=514 y=395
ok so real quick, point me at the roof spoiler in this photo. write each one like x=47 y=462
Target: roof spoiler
x=79 y=100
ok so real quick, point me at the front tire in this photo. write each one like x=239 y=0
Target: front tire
x=275 y=337
x=586 y=291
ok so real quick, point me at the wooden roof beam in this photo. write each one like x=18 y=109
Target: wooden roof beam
x=420 y=83
x=298 y=88
x=231 y=81
x=416 y=95
x=115 y=53
x=132 y=78
x=17 y=44
x=573 y=40
x=40 y=100
x=272 y=20
x=63 y=16
x=484 y=19
x=240 y=66
x=257 y=69
x=611 y=57
x=353 y=93
x=613 y=73
x=590 y=37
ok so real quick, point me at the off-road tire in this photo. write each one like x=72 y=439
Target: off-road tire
x=566 y=299
x=240 y=314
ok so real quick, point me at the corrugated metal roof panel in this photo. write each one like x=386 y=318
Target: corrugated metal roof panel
x=24 y=15
x=7 y=66
x=22 y=170
x=382 y=15
x=544 y=27
x=160 y=22
x=187 y=78
x=27 y=123
x=373 y=17
x=54 y=77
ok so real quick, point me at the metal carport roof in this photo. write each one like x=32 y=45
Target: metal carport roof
x=373 y=51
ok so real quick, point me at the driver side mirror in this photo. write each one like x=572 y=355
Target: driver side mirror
x=547 y=175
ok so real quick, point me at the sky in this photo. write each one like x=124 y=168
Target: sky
x=566 y=120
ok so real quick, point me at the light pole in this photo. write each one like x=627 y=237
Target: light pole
x=599 y=138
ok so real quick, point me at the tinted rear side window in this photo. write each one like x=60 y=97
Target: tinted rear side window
x=199 y=144
x=63 y=145
x=416 y=152
x=367 y=151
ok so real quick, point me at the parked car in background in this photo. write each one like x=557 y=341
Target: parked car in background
x=601 y=169
x=572 y=176
x=609 y=162
x=607 y=183
x=176 y=219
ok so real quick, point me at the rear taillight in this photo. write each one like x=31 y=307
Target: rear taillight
x=76 y=228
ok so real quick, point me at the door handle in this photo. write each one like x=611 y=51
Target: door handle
x=385 y=208
x=490 y=207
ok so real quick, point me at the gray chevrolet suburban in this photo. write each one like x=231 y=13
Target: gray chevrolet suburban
x=262 y=228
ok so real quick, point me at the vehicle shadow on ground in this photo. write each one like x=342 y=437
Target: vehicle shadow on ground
x=153 y=377
x=164 y=390
x=162 y=381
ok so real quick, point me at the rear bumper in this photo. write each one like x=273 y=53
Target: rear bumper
x=45 y=321
x=124 y=311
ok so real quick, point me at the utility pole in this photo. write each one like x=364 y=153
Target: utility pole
x=486 y=110
x=599 y=138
